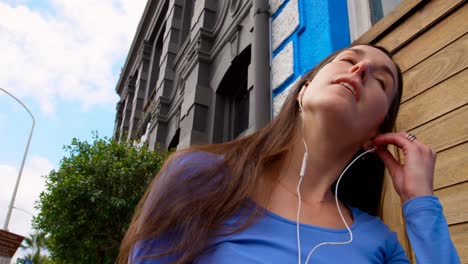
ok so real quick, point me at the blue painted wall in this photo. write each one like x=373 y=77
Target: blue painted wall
x=323 y=29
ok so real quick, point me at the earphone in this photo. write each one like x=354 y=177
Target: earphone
x=302 y=173
x=300 y=99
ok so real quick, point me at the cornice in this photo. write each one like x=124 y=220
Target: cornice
x=152 y=7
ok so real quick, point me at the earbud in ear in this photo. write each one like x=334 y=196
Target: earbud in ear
x=301 y=94
x=300 y=104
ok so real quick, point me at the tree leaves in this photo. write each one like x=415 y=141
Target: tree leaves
x=89 y=200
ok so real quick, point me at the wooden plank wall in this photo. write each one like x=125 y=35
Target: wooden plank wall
x=430 y=43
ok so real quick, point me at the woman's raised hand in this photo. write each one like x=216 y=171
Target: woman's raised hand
x=415 y=176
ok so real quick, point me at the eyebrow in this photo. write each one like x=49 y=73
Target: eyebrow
x=384 y=68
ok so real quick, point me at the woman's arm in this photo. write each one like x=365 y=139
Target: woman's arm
x=428 y=231
x=413 y=181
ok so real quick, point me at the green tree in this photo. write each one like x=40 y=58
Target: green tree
x=37 y=243
x=88 y=202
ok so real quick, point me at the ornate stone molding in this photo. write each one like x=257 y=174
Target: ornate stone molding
x=234 y=7
x=144 y=52
x=234 y=39
x=129 y=87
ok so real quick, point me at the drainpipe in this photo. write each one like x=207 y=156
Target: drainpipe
x=261 y=63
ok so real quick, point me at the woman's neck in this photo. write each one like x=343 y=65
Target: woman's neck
x=327 y=157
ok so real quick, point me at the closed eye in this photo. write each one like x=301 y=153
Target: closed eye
x=382 y=83
x=349 y=60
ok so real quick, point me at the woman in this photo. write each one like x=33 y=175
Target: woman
x=242 y=201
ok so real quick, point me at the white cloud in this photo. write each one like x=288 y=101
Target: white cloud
x=30 y=186
x=66 y=52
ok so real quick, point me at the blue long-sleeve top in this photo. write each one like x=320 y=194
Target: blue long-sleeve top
x=272 y=239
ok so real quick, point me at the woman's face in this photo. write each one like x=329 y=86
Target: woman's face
x=355 y=91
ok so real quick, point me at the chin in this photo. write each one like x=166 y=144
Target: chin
x=336 y=117
x=336 y=103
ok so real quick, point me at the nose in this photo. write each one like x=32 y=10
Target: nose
x=361 y=68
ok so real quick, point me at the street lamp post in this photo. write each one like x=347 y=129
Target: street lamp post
x=12 y=201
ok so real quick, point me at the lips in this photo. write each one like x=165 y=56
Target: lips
x=351 y=85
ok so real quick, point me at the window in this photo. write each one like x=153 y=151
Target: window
x=232 y=100
x=175 y=140
x=154 y=70
x=239 y=105
x=186 y=20
x=363 y=14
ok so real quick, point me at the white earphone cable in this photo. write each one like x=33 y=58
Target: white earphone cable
x=299 y=204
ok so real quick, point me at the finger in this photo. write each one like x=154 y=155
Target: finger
x=397 y=139
x=391 y=163
x=418 y=143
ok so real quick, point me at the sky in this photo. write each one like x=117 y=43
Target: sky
x=62 y=59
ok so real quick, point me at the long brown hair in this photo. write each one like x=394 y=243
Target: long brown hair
x=190 y=199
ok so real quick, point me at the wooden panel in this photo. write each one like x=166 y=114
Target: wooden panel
x=451 y=166
x=432 y=103
x=454 y=200
x=389 y=20
x=433 y=40
x=446 y=131
x=422 y=19
x=436 y=68
x=459 y=236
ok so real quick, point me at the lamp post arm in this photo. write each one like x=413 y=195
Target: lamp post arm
x=14 y=207
x=12 y=201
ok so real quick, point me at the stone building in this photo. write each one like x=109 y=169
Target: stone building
x=190 y=73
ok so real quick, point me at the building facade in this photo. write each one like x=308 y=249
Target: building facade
x=189 y=76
